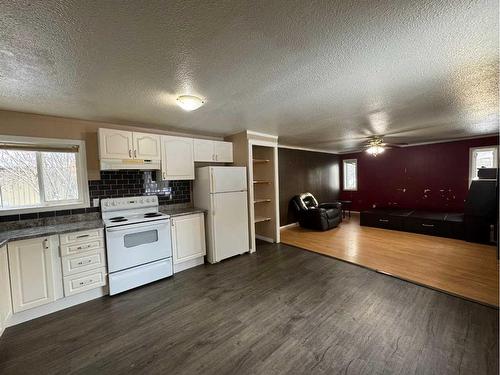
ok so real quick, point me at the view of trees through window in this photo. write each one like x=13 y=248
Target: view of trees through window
x=350 y=174
x=35 y=178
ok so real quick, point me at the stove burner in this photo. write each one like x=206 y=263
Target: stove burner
x=117 y=218
x=152 y=214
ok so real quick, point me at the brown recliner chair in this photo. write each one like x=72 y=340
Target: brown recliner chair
x=316 y=216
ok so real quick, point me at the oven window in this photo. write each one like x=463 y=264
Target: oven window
x=140 y=238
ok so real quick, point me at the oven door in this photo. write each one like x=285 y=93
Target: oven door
x=132 y=245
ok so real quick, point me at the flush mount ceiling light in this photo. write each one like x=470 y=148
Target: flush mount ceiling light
x=189 y=102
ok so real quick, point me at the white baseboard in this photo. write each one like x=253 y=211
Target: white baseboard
x=58 y=305
x=263 y=238
x=289 y=226
x=179 y=267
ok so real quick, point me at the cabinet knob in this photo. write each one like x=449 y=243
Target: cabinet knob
x=135 y=153
x=129 y=153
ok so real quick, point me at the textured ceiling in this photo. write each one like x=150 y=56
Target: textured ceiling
x=319 y=74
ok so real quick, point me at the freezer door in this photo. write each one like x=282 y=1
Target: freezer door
x=226 y=179
x=230 y=224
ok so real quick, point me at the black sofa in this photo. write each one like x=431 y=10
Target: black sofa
x=440 y=224
x=474 y=225
x=316 y=216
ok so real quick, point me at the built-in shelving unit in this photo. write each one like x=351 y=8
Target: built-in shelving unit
x=259 y=153
x=264 y=177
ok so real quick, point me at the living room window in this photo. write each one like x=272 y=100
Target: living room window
x=482 y=157
x=40 y=174
x=350 y=174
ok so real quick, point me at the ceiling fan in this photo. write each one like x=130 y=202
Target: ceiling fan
x=376 y=145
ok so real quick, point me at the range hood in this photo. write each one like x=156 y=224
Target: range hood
x=118 y=164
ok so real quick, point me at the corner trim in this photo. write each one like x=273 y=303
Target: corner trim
x=308 y=149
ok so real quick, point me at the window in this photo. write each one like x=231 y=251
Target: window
x=39 y=174
x=350 y=174
x=482 y=157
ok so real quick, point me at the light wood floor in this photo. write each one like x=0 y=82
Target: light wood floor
x=461 y=268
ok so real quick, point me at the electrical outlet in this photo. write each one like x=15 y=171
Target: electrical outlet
x=95 y=202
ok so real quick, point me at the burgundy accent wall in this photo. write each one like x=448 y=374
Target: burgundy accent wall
x=431 y=177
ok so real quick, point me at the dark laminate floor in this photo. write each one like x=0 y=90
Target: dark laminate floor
x=281 y=311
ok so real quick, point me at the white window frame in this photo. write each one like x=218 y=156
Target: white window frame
x=81 y=166
x=344 y=162
x=472 y=150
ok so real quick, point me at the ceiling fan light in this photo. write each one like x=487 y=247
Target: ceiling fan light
x=375 y=150
x=189 y=102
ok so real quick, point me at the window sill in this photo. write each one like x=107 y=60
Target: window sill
x=35 y=209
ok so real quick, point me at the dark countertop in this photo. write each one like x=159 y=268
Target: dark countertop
x=181 y=211
x=48 y=230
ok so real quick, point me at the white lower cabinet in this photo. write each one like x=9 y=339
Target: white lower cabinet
x=188 y=241
x=34 y=273
x=83 y=261
x=5 y=295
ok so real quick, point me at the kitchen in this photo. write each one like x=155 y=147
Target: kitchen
x=163 y=204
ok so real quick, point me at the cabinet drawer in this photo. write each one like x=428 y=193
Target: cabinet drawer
x=83 y=262
x=427 y=226
x=84 y=281
x=385 y=221
x=82 y=236
x=72 y=249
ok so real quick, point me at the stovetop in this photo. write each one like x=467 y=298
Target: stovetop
x=130 y=210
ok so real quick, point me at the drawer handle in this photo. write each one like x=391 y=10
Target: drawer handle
x=428 y=225
x=83 y=235
x=82 y=262
x=84 y=247
x=383 y=220
x=86 y=282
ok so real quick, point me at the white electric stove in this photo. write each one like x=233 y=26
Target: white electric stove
x=138 y=242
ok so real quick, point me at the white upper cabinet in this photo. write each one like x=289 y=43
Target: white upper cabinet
x=177 y=154
x=213 y=151
x=223 y=152
x=177 y=161
x=204 y=150
x=146 y=146
x=115 y=144
x=32 y=273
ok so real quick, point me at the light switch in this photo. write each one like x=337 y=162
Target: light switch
x=95 y=202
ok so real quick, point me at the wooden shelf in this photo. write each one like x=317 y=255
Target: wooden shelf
x=259 y=161
x=261 y=182
x=261 y=200
x=260 y=219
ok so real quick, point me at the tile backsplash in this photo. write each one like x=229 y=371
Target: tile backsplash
x=115 y=184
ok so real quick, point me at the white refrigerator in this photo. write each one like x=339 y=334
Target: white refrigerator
x=222 y=191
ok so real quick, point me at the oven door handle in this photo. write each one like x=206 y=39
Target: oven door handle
x=132 y=227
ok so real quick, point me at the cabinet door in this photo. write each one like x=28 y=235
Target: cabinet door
x=5 y=296
x=204 y=150
x=31 y=272
x=188 y=237
x=115 y=144
x=177 y=158
x=146 y=146
x=223 y=152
